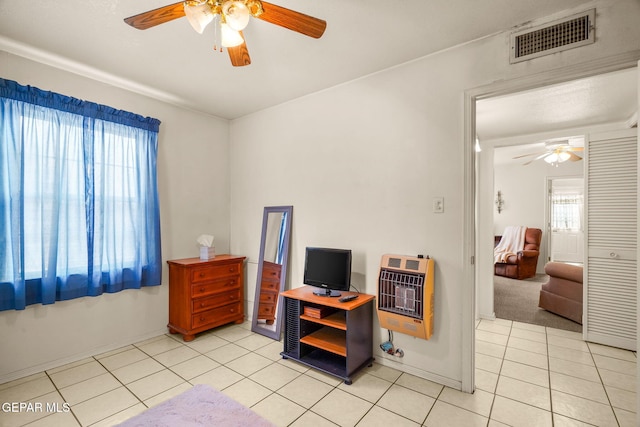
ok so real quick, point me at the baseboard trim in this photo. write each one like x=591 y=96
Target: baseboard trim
x=32 y=370
x=449 y=382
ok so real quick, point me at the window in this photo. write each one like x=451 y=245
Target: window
x=79 y=212
x=566 y=212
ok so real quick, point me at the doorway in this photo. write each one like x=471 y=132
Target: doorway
x=479 y=204
x=510 y=93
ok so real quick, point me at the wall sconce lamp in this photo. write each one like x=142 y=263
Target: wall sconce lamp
x=499 y=201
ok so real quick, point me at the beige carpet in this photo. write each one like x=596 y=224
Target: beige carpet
x=518 y=300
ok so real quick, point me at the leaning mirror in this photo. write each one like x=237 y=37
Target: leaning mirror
x=272 y=270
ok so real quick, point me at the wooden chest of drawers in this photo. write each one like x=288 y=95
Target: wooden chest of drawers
x=205 y=294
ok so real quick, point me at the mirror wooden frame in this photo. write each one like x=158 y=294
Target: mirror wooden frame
x=272 y=276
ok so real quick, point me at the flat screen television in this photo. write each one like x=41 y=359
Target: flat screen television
x=327 y=269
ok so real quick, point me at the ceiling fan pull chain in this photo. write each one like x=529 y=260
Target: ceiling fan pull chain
x=216 y=33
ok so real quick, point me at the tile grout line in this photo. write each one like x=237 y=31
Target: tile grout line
x=495 y=392
x=123 y=385
x=603 y=386
x=546 y=339
x=61 y=396
x=504 y=355
x=58 y=390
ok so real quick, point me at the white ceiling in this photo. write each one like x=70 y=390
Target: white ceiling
x=610 y=98
x=176 y=64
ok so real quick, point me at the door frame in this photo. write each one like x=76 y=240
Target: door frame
x=476 y=252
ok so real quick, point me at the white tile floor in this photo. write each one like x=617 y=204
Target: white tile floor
x=526 y=375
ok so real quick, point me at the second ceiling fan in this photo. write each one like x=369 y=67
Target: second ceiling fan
x=231 y=17
x=555 y=152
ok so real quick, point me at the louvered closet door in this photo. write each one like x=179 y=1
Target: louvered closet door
x=610 y=303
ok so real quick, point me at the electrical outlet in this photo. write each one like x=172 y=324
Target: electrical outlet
x=438 y=204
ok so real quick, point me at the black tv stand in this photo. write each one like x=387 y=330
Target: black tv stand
x=331 y=336
x=327 y=293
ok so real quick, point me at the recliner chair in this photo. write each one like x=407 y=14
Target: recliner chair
x=523 y=264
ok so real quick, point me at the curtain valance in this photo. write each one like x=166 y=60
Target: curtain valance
x=32 y=95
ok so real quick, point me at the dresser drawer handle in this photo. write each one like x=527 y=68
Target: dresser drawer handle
x=202 y=289
x=201 y=274
x=202 y=319
x=232 y=310
x=201 y=305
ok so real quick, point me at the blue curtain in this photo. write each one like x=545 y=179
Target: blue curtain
x=79 y=209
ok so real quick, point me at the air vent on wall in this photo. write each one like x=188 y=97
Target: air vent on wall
x=567 y=33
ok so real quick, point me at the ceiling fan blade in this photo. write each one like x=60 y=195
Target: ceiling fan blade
x=541 y=156
x=292 y=20
x=239 y=55
x=574 y=149
x=154 y=17
x=574 y=157
x=531 y=154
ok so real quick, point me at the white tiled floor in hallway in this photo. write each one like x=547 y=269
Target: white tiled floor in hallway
x=526 y=375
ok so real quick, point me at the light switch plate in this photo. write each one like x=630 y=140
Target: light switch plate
x=438 y=204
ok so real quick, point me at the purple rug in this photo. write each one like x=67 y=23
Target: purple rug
x=199 y=406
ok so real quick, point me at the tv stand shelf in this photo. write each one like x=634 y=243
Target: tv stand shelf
x=336 y=320
x=329 y=339
x=340 y=343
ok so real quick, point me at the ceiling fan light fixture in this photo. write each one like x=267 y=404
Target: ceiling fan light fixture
x=199 y=14
x=551 y=158
x=563 y=156
x=236 y=14
x=229 y=36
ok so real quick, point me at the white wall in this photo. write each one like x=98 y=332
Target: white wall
x=193 y=180
x=361 y=162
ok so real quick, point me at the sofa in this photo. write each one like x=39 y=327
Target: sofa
x=523 y=264
x=562 y=294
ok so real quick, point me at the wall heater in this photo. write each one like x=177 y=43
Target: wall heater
x=405 y=295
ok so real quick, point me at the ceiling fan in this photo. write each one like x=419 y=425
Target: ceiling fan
x=231 y=17
x=555 y=153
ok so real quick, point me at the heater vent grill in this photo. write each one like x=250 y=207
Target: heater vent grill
x=568 y=33
x=401 y=293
